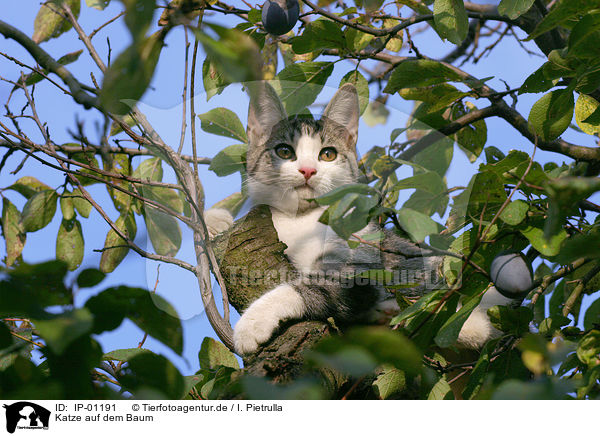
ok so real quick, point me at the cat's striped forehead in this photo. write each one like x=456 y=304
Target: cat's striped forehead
x=291 y=130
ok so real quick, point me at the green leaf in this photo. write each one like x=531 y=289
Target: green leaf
x=507 y=319
x=471 y=138
x=13 y=231
x=362 y=87
x=90 y=277
x=441 y=390
x=372 y=5
x=66 y=206
x=480 y=371
x=417 y=224
x=563 y=12
x=20 y=347
x=82 y=206
x=59 y=331
x=451 y=20
x=116 y=128
x=149 y=375
x=89 y=159
x=339 y=193
x=437 y=96
x=138 y=16
x=359 y=350
x=414 y=73
x=214 y=354
x=513 y=9
x=318 y=35
x=129 y=75
x=584 y=108
x=29 y=186
x=536 y=82
x=350 y=214
x=165 y=196
x=515 y=212
x=416 y=6
x=565 y=193
x=588 y=78
x=69 y=244
x=115 y=248
x=551 y=324
x=232 y=203
x=389 y=383
x=583 y=39
x=375 y=113
x=149 y=169
x=547 y=247
x=214 y=81
x=39 y=211
x=448 y=333
x=97 y=4
x=357 y=40
x=551 y=115
x=223 y=122
x=49 y=24
x=235 y=55
x=125 y=354
x=39 y=286
x=149 y=311
x=424 y=303
x=299 y=84
x=429 y=181
x=588 y=350
x=427 y=203
x=164 y=232
x=539 y=389
x=592 y=315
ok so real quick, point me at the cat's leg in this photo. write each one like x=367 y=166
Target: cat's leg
x=217 y=221
x=262 y=317
x=478 y=329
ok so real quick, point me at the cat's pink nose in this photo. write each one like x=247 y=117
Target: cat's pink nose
x=308 y=172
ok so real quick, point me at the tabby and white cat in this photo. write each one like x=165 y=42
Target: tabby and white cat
x=294 y=159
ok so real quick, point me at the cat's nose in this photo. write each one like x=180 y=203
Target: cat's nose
x=308 y=172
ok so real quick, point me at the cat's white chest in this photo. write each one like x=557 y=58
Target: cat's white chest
x=304 y=236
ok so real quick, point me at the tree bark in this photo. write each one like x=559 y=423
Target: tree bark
x=252 y=262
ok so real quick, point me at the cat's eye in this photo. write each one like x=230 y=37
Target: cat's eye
x=284 y=151
x=328 y=154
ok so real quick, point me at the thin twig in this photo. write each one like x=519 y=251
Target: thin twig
x=184 y=94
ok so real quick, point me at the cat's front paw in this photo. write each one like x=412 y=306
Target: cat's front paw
x=217 y=221
x=251 y=331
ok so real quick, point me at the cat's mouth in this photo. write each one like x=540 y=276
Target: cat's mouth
x=305 y=191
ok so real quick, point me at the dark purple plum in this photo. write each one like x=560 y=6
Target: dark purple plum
x=280 y=16
x=511 y=273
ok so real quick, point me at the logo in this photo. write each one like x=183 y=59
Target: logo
x=26 y=415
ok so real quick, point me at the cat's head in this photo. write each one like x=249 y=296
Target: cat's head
x=292 y=159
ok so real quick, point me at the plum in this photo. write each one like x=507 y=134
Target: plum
x=280 y=16
x=511 y=274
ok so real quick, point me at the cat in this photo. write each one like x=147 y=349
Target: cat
x=290 y=161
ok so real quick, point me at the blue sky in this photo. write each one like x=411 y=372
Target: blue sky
x=162 y=105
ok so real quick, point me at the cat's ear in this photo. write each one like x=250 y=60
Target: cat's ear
x=344 y=110
x=264 y=112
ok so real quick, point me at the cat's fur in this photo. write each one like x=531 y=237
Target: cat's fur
x=314 y=249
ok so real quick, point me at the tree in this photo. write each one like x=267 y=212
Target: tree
x=551 y=343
